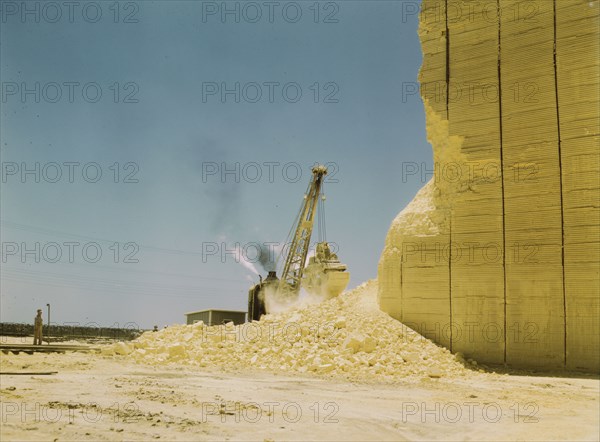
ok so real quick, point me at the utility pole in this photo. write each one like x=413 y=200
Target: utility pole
x=48 y=333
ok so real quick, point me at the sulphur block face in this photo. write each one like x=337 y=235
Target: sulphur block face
x=498 y=256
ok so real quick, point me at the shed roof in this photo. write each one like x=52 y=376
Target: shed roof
x=215 y=310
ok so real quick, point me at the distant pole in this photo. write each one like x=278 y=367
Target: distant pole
x=48 y=333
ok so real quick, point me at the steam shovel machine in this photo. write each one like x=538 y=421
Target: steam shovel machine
x=324 y=275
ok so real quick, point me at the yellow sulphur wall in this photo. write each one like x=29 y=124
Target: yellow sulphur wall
x=498 y=255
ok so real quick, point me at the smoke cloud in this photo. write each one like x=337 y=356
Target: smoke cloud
x=276 y=303
x=267 y=256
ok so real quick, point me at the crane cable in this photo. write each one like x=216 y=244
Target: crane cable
x=321 y=215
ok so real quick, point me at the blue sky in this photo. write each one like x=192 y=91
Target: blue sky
x=140 y=94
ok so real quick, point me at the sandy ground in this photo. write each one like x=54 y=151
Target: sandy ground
x=94 y=397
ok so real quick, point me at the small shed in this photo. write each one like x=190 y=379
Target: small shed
x=216 y=317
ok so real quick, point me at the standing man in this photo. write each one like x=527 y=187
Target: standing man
x=37 y=328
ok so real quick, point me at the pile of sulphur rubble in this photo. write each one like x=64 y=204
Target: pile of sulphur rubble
x=347 y=336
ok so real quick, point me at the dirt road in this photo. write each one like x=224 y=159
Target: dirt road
x=107 y=398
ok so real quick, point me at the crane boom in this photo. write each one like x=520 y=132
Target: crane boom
x=325 y=275
x=296 y=259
